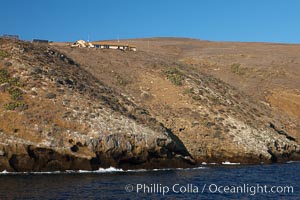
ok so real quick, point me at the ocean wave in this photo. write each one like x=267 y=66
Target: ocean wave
x=230 y=163
x=117 y=170
x=291 y=161
x=205 y=163
x=101 y=170
x=4 y=172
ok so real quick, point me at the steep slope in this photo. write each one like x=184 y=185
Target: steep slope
x=74 y=108
x=268 y=72
x=57 y=116
x=214 y=120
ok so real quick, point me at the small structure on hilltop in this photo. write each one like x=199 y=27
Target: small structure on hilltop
x=7 y=36
x=103 y=45
x=40 y=41
x=82 y=43
x=109 y=45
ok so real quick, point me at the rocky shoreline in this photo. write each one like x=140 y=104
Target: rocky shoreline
x=58 y=116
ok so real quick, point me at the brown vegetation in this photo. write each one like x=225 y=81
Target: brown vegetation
x=178 y=102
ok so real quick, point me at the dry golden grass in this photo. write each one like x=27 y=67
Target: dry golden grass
x=287 y=101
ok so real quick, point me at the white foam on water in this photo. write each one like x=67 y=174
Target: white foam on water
x=101 y=170
x=292 y=161
x=110 y=169
x=54 y=172
x=230 y=163
x=137 y=170
x=6 y=172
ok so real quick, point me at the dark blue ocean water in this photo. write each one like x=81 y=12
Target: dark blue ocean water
x=209 y=182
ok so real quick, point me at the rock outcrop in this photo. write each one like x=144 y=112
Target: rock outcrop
x=63 y=118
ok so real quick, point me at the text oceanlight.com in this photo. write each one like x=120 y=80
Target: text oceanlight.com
x=251 y=189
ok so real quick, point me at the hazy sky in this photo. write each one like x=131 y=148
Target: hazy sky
x=218 y=20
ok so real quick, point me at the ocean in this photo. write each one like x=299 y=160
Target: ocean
x=228 y=181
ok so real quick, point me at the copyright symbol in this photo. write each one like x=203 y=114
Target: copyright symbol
x=129 y=188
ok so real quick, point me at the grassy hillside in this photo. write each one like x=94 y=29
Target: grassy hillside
x=78 y=108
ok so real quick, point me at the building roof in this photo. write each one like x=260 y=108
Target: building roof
x=41 y=41
x=10 y=36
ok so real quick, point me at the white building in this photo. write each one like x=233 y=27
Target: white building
x=109 y=45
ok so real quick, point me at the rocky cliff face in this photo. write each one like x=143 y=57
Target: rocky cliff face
x=63 y=108
x=57 y=116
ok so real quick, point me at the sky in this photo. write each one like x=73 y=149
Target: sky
x=215 y=20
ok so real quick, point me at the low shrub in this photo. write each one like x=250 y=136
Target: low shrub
x=188 y=91
x=15 y=93
x=4 y=54
x=237 y=69
x=3 y=76
x=174 y=75
x=14 y=105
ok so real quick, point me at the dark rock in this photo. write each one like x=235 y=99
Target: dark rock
x=79 y=144
x=7 y=64
x=161 y=142
x=67 y=114
x=69 y=82
x=34 y=93
x=21 y=163
x=74 y=148
x=55 y=165
x=48 y=160
x=210 y=124
x=50 y=95
x=59 y=81
x=281 y=131
x=82 y=163
x=37 y=70
x=4 y=164
x=61 y=91
x=4 y=87
x=76 y=108
x=52 y=72
x=181 y=129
